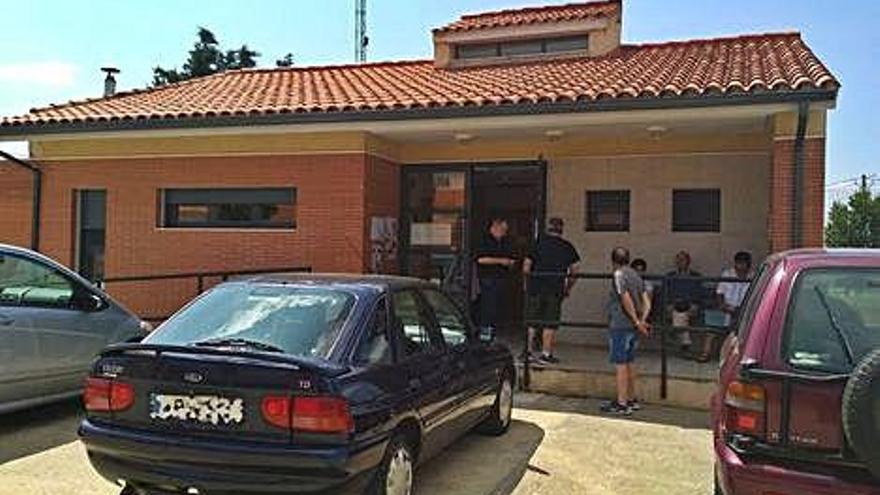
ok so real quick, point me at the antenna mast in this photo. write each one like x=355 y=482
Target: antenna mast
x=360 y=31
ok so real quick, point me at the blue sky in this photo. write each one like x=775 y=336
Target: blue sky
x=53 y=49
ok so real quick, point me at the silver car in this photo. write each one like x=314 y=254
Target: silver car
x=52 y=324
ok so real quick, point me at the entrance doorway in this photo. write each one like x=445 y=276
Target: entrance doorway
x=445 y=217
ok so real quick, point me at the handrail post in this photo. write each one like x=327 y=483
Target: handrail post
x=664 y=290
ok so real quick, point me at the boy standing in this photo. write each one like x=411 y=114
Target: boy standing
x=628 y=310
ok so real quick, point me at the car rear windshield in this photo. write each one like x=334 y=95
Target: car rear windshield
x=834 y=318
x=275 y=318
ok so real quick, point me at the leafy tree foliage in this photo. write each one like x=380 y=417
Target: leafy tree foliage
x=285 y=61
x=206 y=58
x=855 y=223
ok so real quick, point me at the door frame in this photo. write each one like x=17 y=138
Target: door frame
x=468 y=168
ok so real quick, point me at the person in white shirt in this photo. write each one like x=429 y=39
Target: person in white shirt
x=730 y=296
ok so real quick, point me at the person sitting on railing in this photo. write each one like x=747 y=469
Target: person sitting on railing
x=551 y=254
x=730 y=296
x=683 y=299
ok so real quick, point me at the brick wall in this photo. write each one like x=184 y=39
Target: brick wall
x=16 y=196
x=330 y=233
x=782 y=199
x=382 y=200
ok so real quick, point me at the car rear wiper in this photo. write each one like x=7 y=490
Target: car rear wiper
x=838 y=329
x=239 y=342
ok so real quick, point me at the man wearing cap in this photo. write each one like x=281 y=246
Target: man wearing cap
x=550 y=255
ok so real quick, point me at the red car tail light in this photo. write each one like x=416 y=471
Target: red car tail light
x=318 y=414
x=105 y=395
x=321 y=415
x=276 y=410
x=745 y=406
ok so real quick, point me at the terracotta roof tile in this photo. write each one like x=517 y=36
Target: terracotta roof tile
x=535 y=15
x=721 y=66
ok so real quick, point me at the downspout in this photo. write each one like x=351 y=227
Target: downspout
x=37 y=192
x=797 y=230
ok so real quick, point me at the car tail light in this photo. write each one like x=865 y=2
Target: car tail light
x=276 y=410
x=102 y=394
x=745 y=406
x=317 y=414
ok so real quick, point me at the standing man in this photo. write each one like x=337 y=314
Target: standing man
x=730 y=296
x=494 y=259
x=551 y=254
x=628 y=309
x=684 y=297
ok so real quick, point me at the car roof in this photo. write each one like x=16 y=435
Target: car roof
x=350 y=281
x=829 y=257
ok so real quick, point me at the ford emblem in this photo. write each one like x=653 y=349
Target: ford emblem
x=193 y=377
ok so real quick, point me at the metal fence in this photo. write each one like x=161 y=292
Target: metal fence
x=199 y=277
x=661 y=323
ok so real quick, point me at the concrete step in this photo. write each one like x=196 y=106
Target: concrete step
x=584 y=371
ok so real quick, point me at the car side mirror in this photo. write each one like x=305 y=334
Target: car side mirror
x=89 y=302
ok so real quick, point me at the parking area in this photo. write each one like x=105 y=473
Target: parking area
x=555 y=446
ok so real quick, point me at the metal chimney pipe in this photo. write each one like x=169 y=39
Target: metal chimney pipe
x=110 y=81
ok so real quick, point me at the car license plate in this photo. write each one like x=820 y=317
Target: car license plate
x=208 y=409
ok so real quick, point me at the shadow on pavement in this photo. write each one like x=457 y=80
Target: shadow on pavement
x=481 y=465
x=650 y=413
x=34 y=430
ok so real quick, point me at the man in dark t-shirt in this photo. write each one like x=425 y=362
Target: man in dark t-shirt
x=551 y=254
x=494 y=259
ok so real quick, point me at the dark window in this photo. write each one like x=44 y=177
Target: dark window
x=453 y=326
x=527 y=47
x=481 y=50
x=91 y=223
x=833 y=319
x=607 y=211
x=566 y=44
x=229 y=208
x=375 y=348
x=412 y=323
x=696 y=210
x=522 y=47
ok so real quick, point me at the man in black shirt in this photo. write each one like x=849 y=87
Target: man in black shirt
x=494 y=259
x=551 y=254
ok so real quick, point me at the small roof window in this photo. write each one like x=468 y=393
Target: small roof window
x=519 y=48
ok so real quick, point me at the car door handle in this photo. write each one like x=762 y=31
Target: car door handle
x=6 y=321
x=415 y=384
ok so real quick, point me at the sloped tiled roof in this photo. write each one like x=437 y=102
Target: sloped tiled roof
x=535 y=15
x=752 y=64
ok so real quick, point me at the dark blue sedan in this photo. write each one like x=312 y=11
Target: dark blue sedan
x=337 y=384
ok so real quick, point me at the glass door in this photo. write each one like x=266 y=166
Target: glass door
x=435 y=223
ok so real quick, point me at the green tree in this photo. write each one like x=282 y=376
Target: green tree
x=855 y=223
x=206 y=58
x=285 y=61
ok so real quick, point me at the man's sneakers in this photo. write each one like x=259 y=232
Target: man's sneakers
x=616 y=408
x=546 y=359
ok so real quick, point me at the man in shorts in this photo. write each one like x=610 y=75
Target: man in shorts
x=628 y=308
x=550 y=255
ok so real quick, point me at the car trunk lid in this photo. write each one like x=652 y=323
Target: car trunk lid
x=208 y=392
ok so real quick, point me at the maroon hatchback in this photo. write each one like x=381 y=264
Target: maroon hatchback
x=797 y=410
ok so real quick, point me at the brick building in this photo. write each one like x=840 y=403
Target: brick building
x=709 y=145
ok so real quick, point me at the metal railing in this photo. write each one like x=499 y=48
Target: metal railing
x=662 y=325
x=200 y=277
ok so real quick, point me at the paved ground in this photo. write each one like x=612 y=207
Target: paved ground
x=555 y=446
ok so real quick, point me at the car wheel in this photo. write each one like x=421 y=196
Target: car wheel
x=498 y=421
x=395 y=473
x=861 y=417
